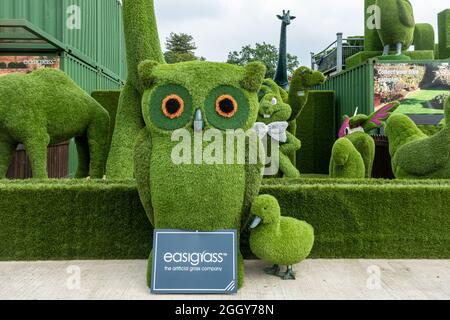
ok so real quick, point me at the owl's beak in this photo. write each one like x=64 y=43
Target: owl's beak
x=255 y=222
x=198 y=121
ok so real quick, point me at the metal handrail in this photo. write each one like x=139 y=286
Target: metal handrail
x=338 y=48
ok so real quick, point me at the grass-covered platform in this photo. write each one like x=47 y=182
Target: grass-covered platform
x=70 y=219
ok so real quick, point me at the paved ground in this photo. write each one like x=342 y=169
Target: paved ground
x=316 y=279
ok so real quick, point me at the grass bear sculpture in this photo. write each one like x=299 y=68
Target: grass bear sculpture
x=276 y=103
x=272 y=123
x=46 y=107
x=397 y=25
x=192 y=99
x=278 y=240
x=353 y=153
x=416 y=155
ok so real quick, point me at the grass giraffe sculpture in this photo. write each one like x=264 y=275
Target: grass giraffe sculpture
x=281 y=75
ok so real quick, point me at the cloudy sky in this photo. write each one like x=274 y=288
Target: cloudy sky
x=220 y=26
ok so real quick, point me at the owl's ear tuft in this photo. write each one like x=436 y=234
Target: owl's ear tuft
x=254 y=76
x=145 y=70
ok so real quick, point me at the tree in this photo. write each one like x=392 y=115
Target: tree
x=266 y=53
x=180 y=48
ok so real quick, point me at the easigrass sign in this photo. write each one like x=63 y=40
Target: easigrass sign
x=194 y=262
x=27 y=64
x=194 y=258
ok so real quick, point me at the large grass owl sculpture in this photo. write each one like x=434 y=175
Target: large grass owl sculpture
x=195 y=97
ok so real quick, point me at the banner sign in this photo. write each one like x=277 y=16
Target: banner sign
x=194 y=262
x=27 y=64
x=421 y=87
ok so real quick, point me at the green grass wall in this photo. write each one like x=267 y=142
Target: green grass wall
x=109 y=100
x=444 y=34
x=316 y=128
x=424 y=37
x=77 y=219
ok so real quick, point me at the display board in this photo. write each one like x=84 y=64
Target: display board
x=26 y=64
x=194 y=262
x=421 y=88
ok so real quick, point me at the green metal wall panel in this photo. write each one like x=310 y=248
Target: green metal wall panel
x=46 y=14
x=99 y=37
x=84 y=39
x=353 y=88
x=110 y=36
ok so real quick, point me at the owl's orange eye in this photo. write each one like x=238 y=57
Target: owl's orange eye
x=173 y=106
x=226 y=106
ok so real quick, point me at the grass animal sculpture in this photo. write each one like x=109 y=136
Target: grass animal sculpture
x=278 y=240
x=397 y=25
x=46 y=107
x=196 y=97
x=303 y=79
x=354 y=152
x=281 y=74
x=179 y=186
x=272 y=123
x=416 y=155
x=142 y=43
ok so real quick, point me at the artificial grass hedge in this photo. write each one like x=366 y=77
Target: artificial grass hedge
x=363 y=56
x=316 y=128
x=424 y=38
x=109 y=99
x=72 y=219
x=444 y=34
x=76 y=219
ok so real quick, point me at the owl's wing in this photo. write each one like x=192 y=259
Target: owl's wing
x=406 y=13
x=142 y=154
x=253 y=178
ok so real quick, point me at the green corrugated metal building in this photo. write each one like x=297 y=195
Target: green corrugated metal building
x=354 y=88
x=86 y=35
